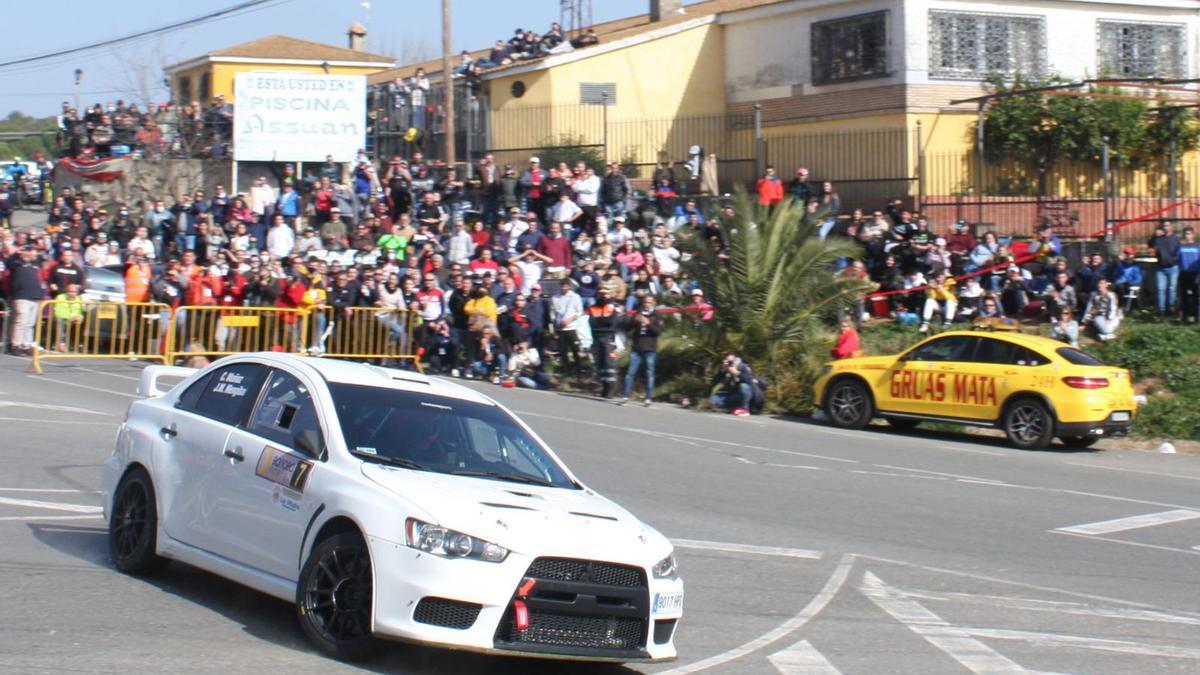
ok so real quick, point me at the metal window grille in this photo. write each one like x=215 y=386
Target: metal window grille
x=1142 y=49
x=852 y=48
x=973 y=46
x=597 y=93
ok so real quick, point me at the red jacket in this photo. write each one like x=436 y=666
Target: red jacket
x=203 y=289
x=770 y=190
x=847 y=345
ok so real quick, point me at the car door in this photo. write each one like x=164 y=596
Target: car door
x=917 y=382
x=264 y=505
x=193 y=439
x=1004 y=368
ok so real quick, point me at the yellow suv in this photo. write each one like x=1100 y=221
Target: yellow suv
x=1033 y=388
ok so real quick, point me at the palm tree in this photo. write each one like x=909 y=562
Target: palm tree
x=775 y=288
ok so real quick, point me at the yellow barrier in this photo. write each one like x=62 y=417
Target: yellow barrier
x=367 y=333
x=220 y=331
x=87 y=329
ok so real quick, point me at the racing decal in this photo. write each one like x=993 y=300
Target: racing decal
x=230 y=384
x=944 y=387
x=286 y=498
x=283 y=468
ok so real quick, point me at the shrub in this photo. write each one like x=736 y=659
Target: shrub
x=1175 y=417
x=1148 y=349
x=1184 y=379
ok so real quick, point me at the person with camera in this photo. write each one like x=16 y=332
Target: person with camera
x=644 y=326
x=739 y=391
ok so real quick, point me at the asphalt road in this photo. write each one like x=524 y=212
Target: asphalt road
x=805 y=549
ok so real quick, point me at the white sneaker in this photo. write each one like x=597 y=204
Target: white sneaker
x=622 y=401
x=646 y=403
x=454 y=372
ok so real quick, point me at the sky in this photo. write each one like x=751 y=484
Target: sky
x=394 y=27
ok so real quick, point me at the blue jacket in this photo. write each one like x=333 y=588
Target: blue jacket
x=1189 y=257
x=1126 y=273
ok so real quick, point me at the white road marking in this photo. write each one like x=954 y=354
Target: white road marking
x=941 y=473
x=1058 y=640
x=48 y=406
x=743 y=460
x=974 y=451
x=1090 y=465
x=955 y=642
x=56 y=506
x=747 y=548
x=1132 y=522
x=102 y=372
x=8 y=489
x=23 y=518
x=1018 y=584
x=43 y=378
x=1055 y=606
x=53 y=422
x=895 y=475
x=814 y=607
x=1114 y=540
x=802 y=659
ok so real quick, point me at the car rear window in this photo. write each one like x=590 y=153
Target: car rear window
x=1078 y=357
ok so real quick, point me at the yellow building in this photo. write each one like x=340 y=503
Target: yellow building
x=212 y=74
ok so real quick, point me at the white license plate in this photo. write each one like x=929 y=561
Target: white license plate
x=1120 y=417
x=667 y=602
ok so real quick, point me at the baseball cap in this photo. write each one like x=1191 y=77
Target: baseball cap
x=515 y=209
x=534 y=159
x=697 y=291
x=1130 y=250
x=961 y=224
x=619 y=219
x=939 y=241
x=1013 y=268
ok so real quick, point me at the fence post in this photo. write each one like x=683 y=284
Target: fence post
x=760 y=148
x=920 y=168
x=1106 y=183
x=1172 y=176
x=604 y=123
x=979 y=163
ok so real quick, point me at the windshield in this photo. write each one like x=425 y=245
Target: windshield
x=443 y=435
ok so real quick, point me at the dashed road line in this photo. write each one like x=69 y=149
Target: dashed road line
x=1132 y=522
x=814 y=607
x=55 y=506
x=43 y=378
x=728 y=547
x=955 y=642
x=802 y=659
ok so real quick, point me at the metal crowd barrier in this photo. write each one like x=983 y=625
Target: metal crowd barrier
x=212 y=331
x=367 y=333
x=87 y=329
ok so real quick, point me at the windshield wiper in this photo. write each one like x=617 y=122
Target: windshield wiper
x=500 y=475
x=394 y=461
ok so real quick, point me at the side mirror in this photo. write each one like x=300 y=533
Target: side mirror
x=309 y=442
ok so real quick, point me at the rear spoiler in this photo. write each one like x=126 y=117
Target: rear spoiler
x=148 y=386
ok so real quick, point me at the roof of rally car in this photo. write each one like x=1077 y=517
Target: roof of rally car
x=349 y=372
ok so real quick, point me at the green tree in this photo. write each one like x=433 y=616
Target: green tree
x=776 y=292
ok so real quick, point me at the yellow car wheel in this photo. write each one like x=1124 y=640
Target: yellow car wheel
x=848 y=404
x=1028 y=424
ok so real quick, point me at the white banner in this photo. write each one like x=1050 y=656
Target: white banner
x=298 y=117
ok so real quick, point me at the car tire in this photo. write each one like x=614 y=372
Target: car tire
x=133 y=526
x=1028 y=424
x=1079 y=441
x=903 y=423
x=334 y=596
x=848 y=404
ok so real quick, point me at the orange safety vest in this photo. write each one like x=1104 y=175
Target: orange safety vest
x=137 y=283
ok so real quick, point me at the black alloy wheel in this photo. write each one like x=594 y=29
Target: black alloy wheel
x=848 y=404
x=334 y=597
x=133 y=526
x=1028 y=424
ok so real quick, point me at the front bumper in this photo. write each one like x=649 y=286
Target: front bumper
x=474 y=602
x=1101 y=429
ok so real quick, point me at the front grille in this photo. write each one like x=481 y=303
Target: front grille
x=580 y=608
x=605 y=574
x=662 y=631
x=588 y=632
x=446 y=613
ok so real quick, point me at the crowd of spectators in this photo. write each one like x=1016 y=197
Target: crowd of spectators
x=514 y=276
x=119 y=129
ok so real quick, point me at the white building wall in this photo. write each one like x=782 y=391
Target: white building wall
x=767 y=49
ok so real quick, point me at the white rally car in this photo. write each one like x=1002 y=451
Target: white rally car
x=385 y=504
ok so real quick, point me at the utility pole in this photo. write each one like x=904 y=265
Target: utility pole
x=78 y=79
x=447 y=84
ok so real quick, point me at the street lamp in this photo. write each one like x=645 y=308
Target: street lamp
x=78 y=79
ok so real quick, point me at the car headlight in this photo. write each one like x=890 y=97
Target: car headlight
x=448 y=543
x=666 y=568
